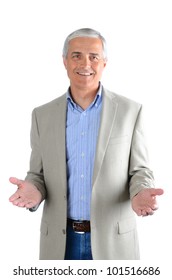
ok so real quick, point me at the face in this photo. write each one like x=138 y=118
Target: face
x=85 y=63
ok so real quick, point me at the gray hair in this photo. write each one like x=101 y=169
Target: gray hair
x=84 y=32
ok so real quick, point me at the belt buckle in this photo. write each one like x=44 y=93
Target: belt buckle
x=73 y=226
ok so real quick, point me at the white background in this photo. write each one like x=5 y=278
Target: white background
x=139 y=37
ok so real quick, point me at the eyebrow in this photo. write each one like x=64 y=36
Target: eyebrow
x=75 y=53
x=96 y=54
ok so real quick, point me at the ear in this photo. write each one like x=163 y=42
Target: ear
x=105 y=62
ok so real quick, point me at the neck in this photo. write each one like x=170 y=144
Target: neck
x=83 y=97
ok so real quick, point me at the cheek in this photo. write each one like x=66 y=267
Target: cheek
x=70 y=67
x=99 y=71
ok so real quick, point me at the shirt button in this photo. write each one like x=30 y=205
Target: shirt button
x=82 y=176
x=82 y=154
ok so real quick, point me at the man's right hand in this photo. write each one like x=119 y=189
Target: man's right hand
x=27 y=195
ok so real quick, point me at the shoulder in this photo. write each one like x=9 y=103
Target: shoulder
x=51 y=106
x=120 y=98
x=122 y=101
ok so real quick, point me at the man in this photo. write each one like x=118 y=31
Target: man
x=89 y=163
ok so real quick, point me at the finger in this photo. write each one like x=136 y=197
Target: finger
x=15 y=181
x=153 y=203
x=157 y=191
x=17 y=201
x=22 y=204
x=30 y=205
x=144 y=213
x=155 y=207
x=150 y=211
x=138 y=212
x=14 y=196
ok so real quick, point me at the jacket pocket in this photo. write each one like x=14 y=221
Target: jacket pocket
x=126 y=225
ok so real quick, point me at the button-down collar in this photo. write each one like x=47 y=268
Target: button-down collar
x=96 y=102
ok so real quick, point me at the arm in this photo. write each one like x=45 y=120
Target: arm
x=36 y=175
x=31 y=192
x=142 y=188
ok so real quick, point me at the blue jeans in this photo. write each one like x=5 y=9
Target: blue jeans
x=78 y=245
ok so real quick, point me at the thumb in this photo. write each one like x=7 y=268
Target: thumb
x=157 y=191
x=16 y=181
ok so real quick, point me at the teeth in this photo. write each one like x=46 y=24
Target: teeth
x=84 y=74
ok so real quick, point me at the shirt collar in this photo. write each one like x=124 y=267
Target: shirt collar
x=96 y=102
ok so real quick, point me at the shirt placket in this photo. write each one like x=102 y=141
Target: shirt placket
x=82 y=164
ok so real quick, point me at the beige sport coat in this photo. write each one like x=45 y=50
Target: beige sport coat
x=120 y=171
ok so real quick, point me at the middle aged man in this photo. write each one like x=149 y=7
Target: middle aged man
x=89 y=163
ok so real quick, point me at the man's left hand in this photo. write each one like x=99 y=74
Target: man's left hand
x=144 y=203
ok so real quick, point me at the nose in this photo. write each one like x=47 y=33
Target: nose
x=85 y=61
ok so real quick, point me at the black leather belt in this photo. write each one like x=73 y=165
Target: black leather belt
x=79 y=226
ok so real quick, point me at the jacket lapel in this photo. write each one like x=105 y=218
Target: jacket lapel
x=108 y=115
x=60 y=131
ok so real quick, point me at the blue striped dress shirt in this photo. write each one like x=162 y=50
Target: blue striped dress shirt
x=82 y=128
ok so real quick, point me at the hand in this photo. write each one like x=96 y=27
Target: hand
x=27 y=195
x=144 y=203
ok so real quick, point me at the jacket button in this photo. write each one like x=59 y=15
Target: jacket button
x=64 y=231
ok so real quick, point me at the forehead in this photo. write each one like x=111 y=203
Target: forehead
x=85 y=44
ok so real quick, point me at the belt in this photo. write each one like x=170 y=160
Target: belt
x=79 y=226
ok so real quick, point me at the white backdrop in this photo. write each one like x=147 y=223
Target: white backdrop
x=139 y=41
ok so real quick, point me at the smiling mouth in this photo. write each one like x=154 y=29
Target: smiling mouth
x=84 y=73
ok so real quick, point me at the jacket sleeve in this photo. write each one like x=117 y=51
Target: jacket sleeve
x=140 y=173
x=35 y=174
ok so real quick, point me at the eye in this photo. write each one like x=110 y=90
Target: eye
x=94 y=58
x=76 y=56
